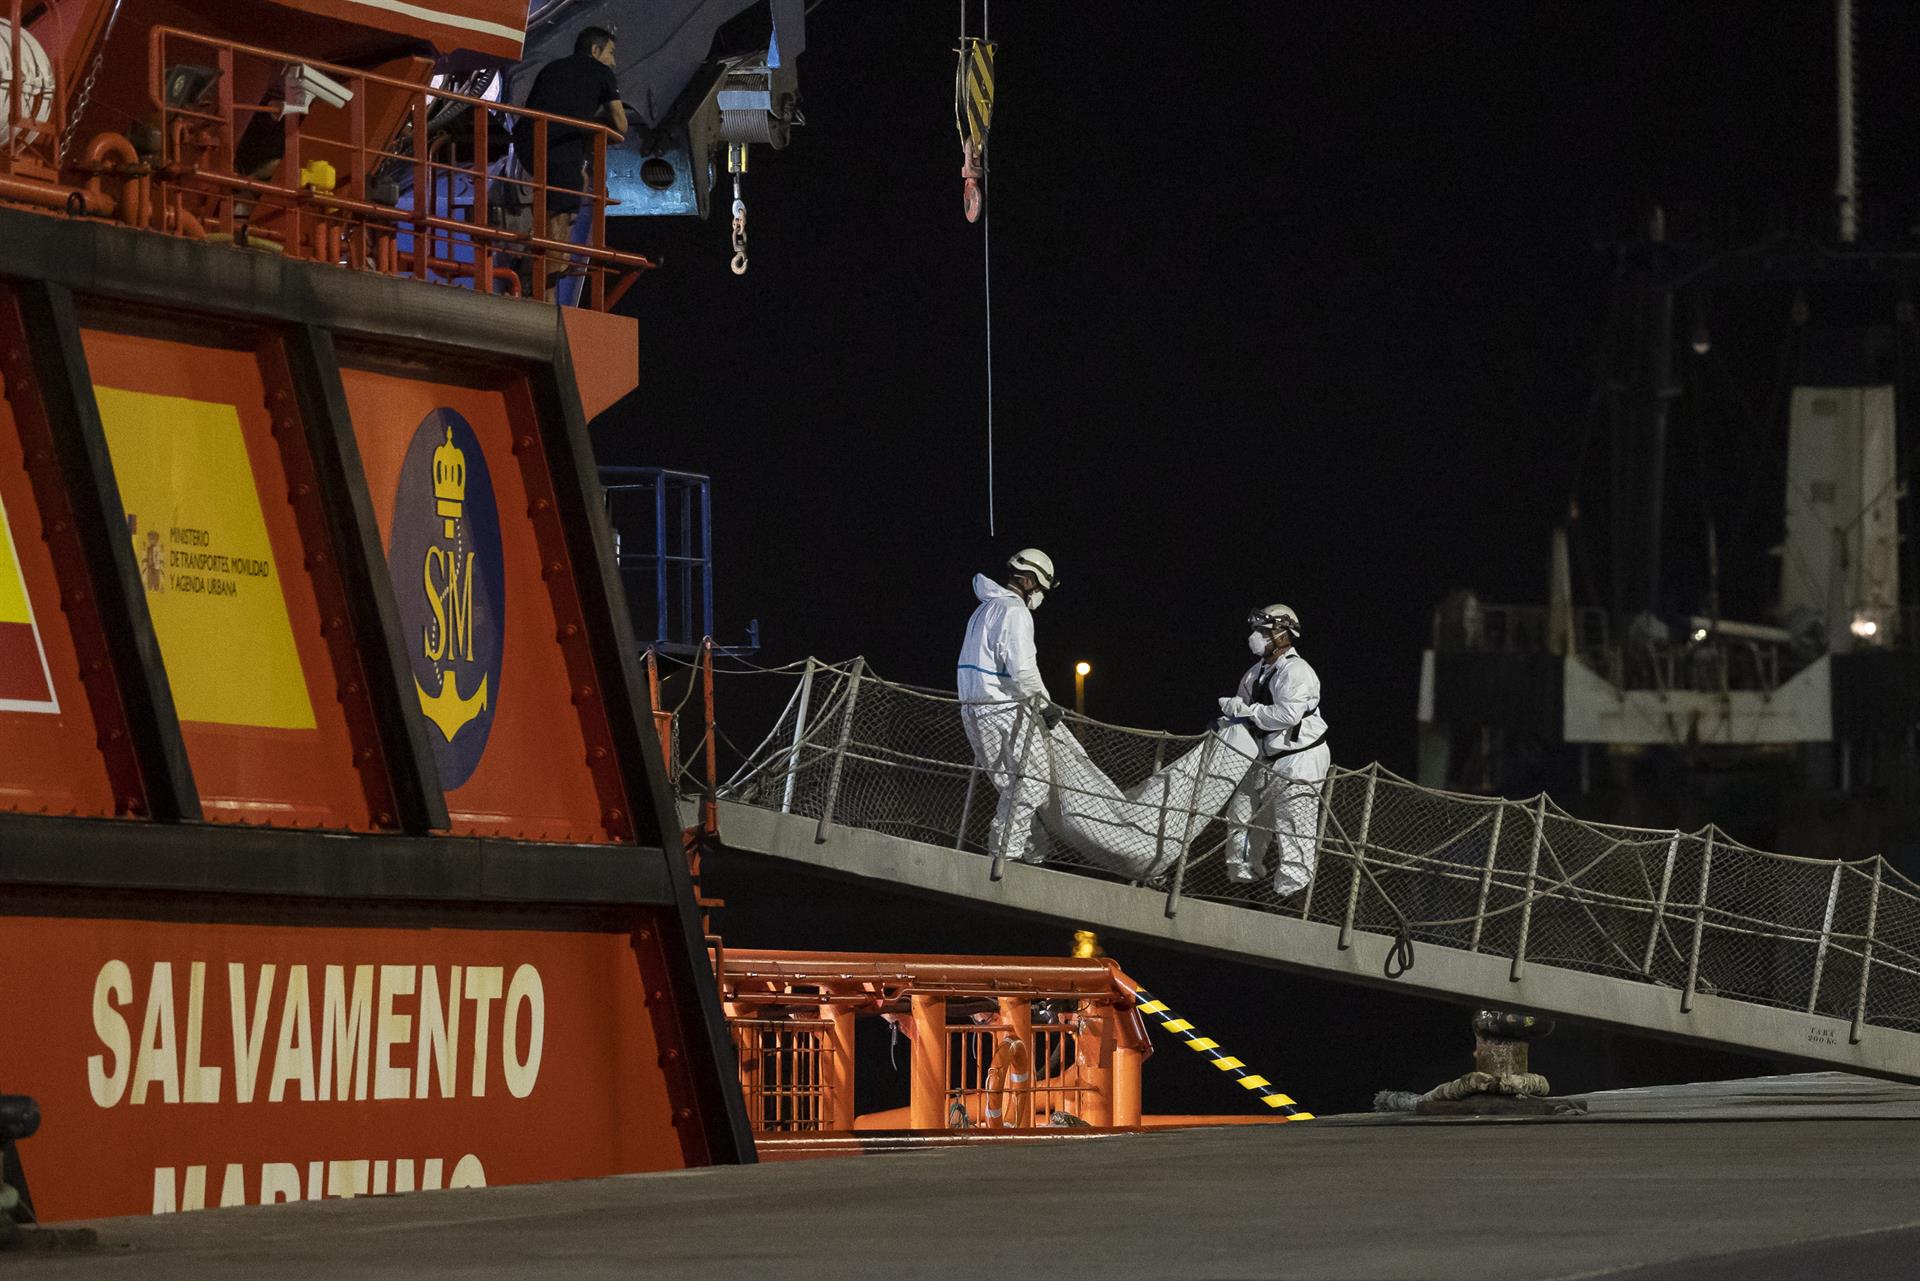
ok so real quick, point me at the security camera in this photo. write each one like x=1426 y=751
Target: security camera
x=304 y=86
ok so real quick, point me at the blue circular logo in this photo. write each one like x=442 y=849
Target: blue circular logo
x=450 y=578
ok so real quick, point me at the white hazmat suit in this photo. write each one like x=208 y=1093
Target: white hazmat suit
x=1047 y=774
x=1280 y=806
x=998 y=673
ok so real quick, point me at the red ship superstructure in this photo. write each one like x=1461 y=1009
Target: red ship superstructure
x=337 y=851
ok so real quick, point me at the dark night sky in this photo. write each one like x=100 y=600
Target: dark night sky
x=1292 y=302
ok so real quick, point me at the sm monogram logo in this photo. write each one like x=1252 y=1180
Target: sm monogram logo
x=444 y=555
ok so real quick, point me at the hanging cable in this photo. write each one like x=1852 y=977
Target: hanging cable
x=986 y=254
x=972 y=117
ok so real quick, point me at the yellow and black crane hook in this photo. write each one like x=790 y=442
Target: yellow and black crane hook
x=973 y=114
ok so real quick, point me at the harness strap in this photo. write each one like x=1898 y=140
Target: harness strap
x=1263 y=684
x=1295 y=751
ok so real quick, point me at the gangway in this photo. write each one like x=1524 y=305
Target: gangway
x=1685 y=935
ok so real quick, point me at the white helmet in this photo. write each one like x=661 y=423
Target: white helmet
x=1031 y=560
x=1275 y=618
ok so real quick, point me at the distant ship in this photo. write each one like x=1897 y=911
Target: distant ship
x=1680 y=672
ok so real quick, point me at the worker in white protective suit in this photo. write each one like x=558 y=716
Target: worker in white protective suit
x=1003 y=702
x=1278 y=807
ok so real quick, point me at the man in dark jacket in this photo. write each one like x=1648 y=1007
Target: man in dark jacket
x=581 y=86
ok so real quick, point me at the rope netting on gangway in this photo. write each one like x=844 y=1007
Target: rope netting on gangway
x=1522 y=879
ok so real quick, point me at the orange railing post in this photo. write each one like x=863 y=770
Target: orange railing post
x=837 y=1066
x=746 y=1055
x=540 y=220
x=422 y=193
x=1016 y=1016
x=1126 y=1084
x=224 y=88
x=1093 y=1055
x=598 y=235
x=290 y=125
x=482 y=245
x=927 y=1100
x=662 y=719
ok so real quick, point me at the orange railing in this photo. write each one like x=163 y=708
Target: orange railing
x=204 y=119
x=1048 y=1078
x=31 y=140
x=36 y=153
x=784 y=1072
x=666 y=723
x=1064 y=1032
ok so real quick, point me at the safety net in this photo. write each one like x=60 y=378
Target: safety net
x=1515 y=878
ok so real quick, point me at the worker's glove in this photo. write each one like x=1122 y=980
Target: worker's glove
x=1051 y=714
x=1234 y=708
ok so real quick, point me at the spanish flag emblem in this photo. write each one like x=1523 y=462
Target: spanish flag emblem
x=25 y=683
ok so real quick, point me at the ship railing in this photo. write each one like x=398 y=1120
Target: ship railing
x=697 y=775
x=1464 y=621
x=36 y=105
x=786 y=1072
x=1716 y=664
x=1054 y=1085
x=323 y=180
x=39 y=164
x=1708 y=665
x=793 y=1017
x=1520 y=879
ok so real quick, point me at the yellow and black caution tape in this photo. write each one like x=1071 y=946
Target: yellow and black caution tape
x=1253 y=1081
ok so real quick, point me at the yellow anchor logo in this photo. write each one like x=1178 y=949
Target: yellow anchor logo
x=446 y=709
x=447 y=577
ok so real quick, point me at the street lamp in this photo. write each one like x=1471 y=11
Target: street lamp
x=1080 y=671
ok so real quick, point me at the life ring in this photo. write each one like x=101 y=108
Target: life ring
x=1009 y=1085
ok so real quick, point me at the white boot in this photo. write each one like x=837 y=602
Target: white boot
x=1242 y=867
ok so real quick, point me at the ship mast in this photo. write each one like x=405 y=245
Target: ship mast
x=1846 y=187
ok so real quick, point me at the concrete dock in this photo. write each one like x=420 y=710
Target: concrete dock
x=1778 y=1177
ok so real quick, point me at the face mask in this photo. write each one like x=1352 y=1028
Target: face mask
x=1034 y=598
x=1257 y=642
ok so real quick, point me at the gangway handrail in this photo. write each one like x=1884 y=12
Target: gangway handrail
x=1693 y=913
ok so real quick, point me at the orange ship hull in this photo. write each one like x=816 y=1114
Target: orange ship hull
x=335 y=841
